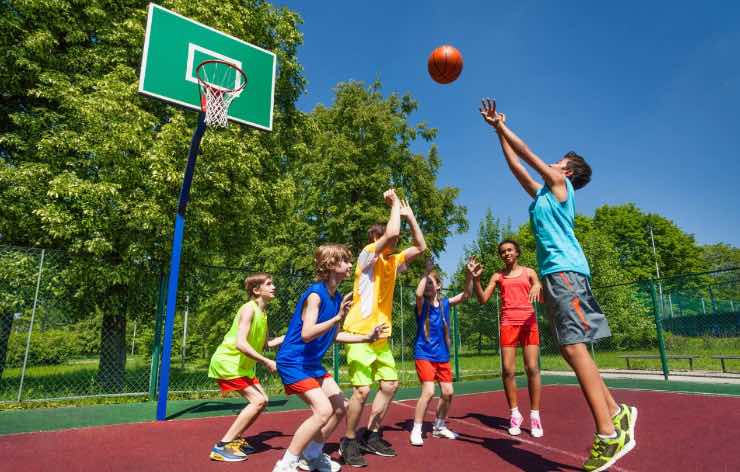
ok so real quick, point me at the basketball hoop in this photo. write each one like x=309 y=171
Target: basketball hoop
x=220 y=83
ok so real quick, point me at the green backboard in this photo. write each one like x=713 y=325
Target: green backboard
x=175 y=45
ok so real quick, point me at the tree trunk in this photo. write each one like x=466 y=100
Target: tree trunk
x=6 y=325
x=112 y=368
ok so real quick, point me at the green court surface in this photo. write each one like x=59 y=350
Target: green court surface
x=49 y=419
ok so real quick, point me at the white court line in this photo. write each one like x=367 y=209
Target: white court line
x=516 y=438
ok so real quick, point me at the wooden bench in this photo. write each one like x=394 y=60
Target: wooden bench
x=690 y=358
x=722 y=358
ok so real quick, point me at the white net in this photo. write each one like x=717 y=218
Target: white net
x=217 y=105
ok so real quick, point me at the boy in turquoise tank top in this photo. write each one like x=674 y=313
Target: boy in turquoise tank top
x=234 y=363
x=576 y=317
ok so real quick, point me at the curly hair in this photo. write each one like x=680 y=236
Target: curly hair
x=512 y=242
x=327 y=256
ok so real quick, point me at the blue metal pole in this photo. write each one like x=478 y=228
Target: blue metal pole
x=169 y=324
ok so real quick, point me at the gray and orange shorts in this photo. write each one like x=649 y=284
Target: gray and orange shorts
x=572 y=309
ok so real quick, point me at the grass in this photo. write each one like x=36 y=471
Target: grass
x=49 y=385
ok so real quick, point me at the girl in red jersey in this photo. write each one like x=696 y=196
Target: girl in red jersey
x=519 y=286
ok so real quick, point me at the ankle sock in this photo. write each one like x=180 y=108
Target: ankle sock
x=535 y=414
x=417 y=427
x=289 y=458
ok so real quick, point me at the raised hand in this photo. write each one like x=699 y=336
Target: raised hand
x=379 y=330
x=345 y=306
x=406 y=211
x=429 y=265
x=390 y=196
x=475 y=268
x=489 y=114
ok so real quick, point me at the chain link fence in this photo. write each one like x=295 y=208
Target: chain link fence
x=58 y=341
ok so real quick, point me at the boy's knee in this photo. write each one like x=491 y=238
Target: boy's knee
x=362 y=392
x=531 y=370
x=508 y=373
x=447 y=391
x=261 y=403
x=389 y=386
x=324 y=414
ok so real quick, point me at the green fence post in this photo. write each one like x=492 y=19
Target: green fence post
x=659 y=330
x=157 y=341
x=456 y=342
x=335 y=360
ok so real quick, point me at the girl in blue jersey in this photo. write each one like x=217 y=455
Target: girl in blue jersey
x=432 y=349
x=312 y=330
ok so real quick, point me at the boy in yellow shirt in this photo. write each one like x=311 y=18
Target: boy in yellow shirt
x=375 y=281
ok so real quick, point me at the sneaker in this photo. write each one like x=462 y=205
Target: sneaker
x=537 y=431
x=244 y=446
x=282 y=466
x=443 y=432
x=349 y=449
x=229 y=452
x=605 y=452
x=626 y=419
x=416 y=439
x=515 y=425
x=375 y=444
x=323 y=463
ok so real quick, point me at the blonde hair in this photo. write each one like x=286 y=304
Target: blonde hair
x=328 y=256
x=255 y=281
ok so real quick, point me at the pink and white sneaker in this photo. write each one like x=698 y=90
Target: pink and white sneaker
x=515 y=425
x=536 y=430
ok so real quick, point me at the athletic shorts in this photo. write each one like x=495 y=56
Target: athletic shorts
x=573 y=312
x=302 y=386
x=430 y=371
x=239 y=383
x=370 y=362
x=520 y=335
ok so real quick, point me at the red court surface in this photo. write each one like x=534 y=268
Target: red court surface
x=677 y=432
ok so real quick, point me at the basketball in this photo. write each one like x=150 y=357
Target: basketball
x=445 y=64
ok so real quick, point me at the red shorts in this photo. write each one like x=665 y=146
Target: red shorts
x=520 y=335
x=309 y=383
x=239 y=383
x=429 y=371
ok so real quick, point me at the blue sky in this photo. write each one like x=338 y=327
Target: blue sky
x=648 y=92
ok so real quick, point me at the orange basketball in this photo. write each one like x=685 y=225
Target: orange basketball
x=445 y=64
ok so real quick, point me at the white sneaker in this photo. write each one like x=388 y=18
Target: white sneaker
x=515 y=425
x=323 y=463
x=537 y=430
x=282 y=466
x=416 y=439
x=444 y=432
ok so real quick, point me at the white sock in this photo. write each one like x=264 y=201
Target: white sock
x=417 y=427
x=313 y=450
x=289 y=458
x=606 y=436
x=515 y=412
x=439 y=423
x=534 y=414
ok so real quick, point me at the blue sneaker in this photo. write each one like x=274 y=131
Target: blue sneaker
x=229 y=452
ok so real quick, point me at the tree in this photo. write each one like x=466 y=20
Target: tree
x=92 y=168
x=629 y=230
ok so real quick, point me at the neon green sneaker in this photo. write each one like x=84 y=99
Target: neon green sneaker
x=605 y=452
x=626 y=419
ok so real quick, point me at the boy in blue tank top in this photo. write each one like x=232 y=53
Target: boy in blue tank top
x=576 y=317
x=432 y=349
x=312 y=330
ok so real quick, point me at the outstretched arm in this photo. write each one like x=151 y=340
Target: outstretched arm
x=393 y=228
x=467 y=290
x=530 y=185
x=554 y=179
x=311 y=329
x=422 y=285
x=420 y=245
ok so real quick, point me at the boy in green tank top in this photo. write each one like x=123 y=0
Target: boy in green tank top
x=234 y=362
